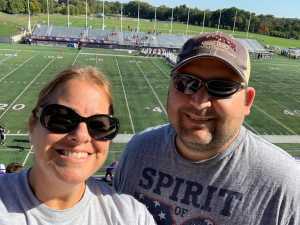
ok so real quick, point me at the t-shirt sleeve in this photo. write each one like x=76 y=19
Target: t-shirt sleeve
x=122 y=172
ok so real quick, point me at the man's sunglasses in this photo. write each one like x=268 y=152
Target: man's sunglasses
x=189 y=84
x=61 y=119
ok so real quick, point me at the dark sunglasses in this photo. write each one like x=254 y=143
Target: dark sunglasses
x=189 y=84
x=61 y=119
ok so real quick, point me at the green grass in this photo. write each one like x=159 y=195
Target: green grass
x=145 y=80
x=12 y=24
x=293 y=149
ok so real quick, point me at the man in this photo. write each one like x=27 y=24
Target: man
x=2 y=135
x=205 y=168
x=110 y=170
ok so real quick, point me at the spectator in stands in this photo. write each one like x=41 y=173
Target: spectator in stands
x=205 y=167
x=70 y=130
x=14 y=167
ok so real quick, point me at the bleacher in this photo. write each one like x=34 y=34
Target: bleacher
x=90 y=35
x=127 y=38
x=294 y=53
x=256 y=50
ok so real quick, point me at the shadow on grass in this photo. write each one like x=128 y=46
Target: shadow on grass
x=20 y=148
x=21 y=140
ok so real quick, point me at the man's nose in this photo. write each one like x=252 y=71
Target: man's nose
x=201 y=96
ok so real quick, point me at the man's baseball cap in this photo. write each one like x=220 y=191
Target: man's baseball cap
x=216 y=45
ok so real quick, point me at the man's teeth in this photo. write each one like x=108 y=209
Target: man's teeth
x=77 y=155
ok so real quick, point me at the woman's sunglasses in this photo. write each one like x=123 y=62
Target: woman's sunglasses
x=189 y=85
x=61 y=119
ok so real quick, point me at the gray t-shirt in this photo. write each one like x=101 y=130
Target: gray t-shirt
x=252 y=183
x=100 y=205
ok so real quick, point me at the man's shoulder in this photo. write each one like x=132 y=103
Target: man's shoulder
x=261 y=146
x=271 y=161
x=154 y=139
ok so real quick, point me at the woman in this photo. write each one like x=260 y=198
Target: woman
x=70 y=130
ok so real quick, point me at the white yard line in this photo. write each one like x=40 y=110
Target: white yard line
x=76 y=58
x=277 y=64
x=27 y=156
x=104 y=54
x=154 y=92
x=160 y=69
x=25 y=89
x=2 y=78
x=81 y=53
x=274 y=119
x=5 y=59
x=9 y=49
x=124 y=91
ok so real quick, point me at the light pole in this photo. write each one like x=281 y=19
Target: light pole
x=171 y=30
x=203 y=21
x=138 y=19
x=29 y=22
x=219 y=19
x=234 y=21
x=248 y=25
x=103 y=15
x=68 y=13
x=187 y=22
x=86 y=7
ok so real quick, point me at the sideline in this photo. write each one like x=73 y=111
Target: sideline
x=275 y=139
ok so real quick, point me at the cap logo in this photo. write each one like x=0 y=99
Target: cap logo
x=218 y=45
x=218 y=42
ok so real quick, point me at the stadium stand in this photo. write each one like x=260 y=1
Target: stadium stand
x=128 y=39
x=90 y=36
x=293 y=53
x=256 y=50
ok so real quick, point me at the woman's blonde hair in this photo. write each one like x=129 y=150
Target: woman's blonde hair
x=88 y=73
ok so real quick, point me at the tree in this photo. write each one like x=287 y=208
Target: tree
x=3 y=5
x=16 y=6
x=35 y=6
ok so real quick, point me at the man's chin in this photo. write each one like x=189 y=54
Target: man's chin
x=199 y=137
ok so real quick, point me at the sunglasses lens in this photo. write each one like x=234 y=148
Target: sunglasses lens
x=61 y=119
x=103 y=127
x=186 y=84
x=58 y=119
x=222 y=88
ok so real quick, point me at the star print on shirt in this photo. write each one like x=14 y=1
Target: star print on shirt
x=160 y=211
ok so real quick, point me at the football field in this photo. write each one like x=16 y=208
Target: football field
x=140 y=87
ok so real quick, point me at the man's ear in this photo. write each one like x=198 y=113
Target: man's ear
x=250 y=95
